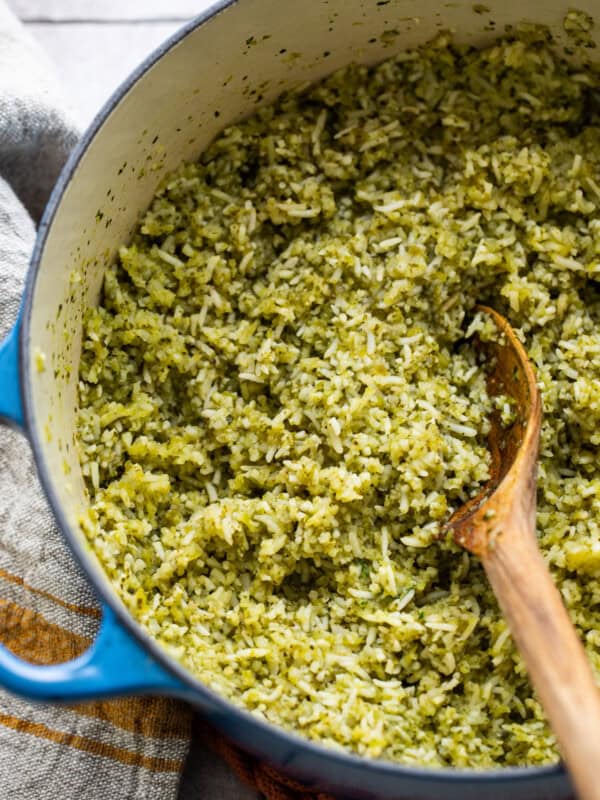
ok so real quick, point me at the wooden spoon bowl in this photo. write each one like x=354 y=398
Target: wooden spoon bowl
x=513 y=448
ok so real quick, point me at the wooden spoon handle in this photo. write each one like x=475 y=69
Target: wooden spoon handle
x=551 y=649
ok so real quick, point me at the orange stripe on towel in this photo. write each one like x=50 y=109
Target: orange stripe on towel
x=161 y=717
x=89 y=611
x=29 y=635
x=91 y=745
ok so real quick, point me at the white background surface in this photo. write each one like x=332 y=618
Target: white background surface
x=95 y=44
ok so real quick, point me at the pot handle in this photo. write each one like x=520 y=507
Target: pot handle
x=116 y=663
x=11 y=408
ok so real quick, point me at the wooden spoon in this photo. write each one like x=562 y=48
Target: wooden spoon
x=498 y=526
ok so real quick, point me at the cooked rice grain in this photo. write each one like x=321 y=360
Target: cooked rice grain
x=278 y=415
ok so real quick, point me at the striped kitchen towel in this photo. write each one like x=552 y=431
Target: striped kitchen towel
x=130 y=749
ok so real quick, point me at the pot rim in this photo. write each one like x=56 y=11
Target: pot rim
x=295 y=741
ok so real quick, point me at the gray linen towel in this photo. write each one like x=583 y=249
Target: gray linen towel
x=130 y=749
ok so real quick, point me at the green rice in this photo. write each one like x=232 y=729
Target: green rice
x=279 y=411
